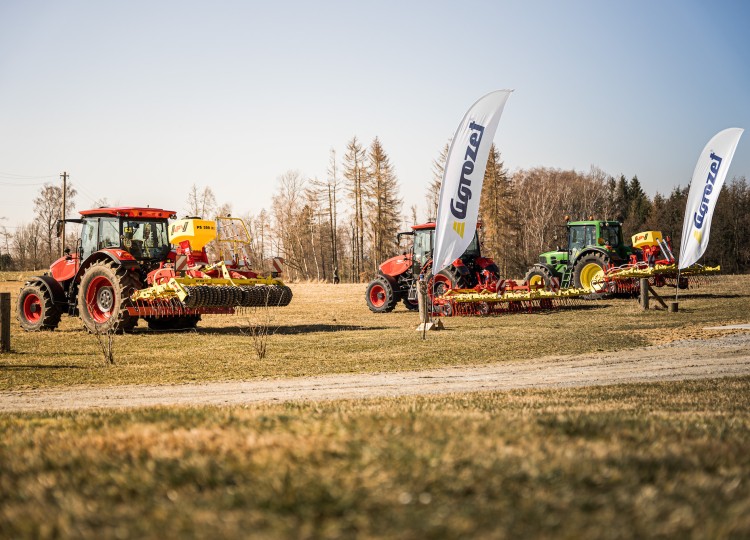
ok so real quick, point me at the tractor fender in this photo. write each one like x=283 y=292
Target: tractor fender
x=390 y=279
x=460 y=268
x=119 y=256
x=53 y=287
x=484 y=262
x=552 y=270
x=589 y=251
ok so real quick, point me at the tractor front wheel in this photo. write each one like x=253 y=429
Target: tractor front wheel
x=103 y=298
x=36 y=310
x=440 y=283
x=588 y=272
x=539 y=277
x=380 y=297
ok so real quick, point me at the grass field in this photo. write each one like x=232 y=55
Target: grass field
x=634 y=461
x=328 y=329
x=628 y=461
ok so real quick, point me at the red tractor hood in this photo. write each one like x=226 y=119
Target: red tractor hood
x=395 y=266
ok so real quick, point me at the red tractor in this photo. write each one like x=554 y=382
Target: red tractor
x=124 y=268
x=398 y=276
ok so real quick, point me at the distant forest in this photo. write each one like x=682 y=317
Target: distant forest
x=347 y=223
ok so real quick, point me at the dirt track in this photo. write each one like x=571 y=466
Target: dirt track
x=688 y=359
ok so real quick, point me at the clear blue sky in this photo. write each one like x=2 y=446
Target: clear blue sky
x=139 y=100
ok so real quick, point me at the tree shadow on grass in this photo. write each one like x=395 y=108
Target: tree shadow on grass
x=689 y=296
x=22 y=367
x=282 y=329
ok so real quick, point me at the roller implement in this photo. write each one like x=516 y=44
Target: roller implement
x=471 y=285
x=131 y=263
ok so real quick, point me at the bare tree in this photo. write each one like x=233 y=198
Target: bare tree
x=201 y=202
x=332 y=188
x=289 y=224
x=48 y=209
x=355 y=172
x=433 y=189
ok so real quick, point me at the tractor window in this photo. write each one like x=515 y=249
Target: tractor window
x=611 y=235
x=88 y=237
x=145 y=239
x=109 y=232
x=577 y=240
x=590 y=235
x=473 y=249
x=581 y=236
x=422 y=246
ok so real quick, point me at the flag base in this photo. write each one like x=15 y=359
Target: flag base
x=430 y=325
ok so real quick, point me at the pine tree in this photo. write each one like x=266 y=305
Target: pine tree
x=383 y=203
x=494 y=209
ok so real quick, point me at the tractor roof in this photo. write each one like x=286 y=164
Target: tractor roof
x=431 y=226
x=594 y=222
x=130 y=211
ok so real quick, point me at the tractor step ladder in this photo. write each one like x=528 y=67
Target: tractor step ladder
x=565 y=281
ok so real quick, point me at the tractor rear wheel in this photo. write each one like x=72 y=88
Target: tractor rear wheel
x=539 y=275
x=380 y=297
x=588 y=272
x=36 y=310
x=104 y=296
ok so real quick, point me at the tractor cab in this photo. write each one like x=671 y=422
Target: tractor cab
x=424 y=244
x=605 y=234
x=142 y=232
x=139 y=234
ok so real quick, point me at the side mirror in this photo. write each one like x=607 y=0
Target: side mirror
x=59 y=227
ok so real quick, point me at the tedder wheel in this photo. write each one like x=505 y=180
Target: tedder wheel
x=36 y=308
x=588 y=272
x=539 y=275
x=103 y=298
x=380 y=297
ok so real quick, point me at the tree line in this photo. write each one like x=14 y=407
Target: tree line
x=343 y=226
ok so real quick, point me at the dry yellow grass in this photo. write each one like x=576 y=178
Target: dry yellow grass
x=664 y=460
x=328 y=329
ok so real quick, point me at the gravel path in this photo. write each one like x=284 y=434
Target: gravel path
x=689 y=359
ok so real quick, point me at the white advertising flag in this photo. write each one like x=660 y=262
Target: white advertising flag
x=705 y=186
x=463 y=177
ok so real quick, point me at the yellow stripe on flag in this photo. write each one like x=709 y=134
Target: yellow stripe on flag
x=459 y=227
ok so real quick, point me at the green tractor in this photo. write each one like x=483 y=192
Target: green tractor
x=592 y=247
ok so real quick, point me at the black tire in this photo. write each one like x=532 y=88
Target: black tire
x=187 y=322
x=36 y=309
x=161 y=323
x=181 y=322
x=584 y=271
x=380 y=297
x=445 y=279
x=411 y=305
x=539 y=274
x=104 y=296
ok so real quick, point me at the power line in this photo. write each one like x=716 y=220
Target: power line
x=22 y=185
x=25 y=176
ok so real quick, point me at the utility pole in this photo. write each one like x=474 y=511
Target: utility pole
x=64 y=177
